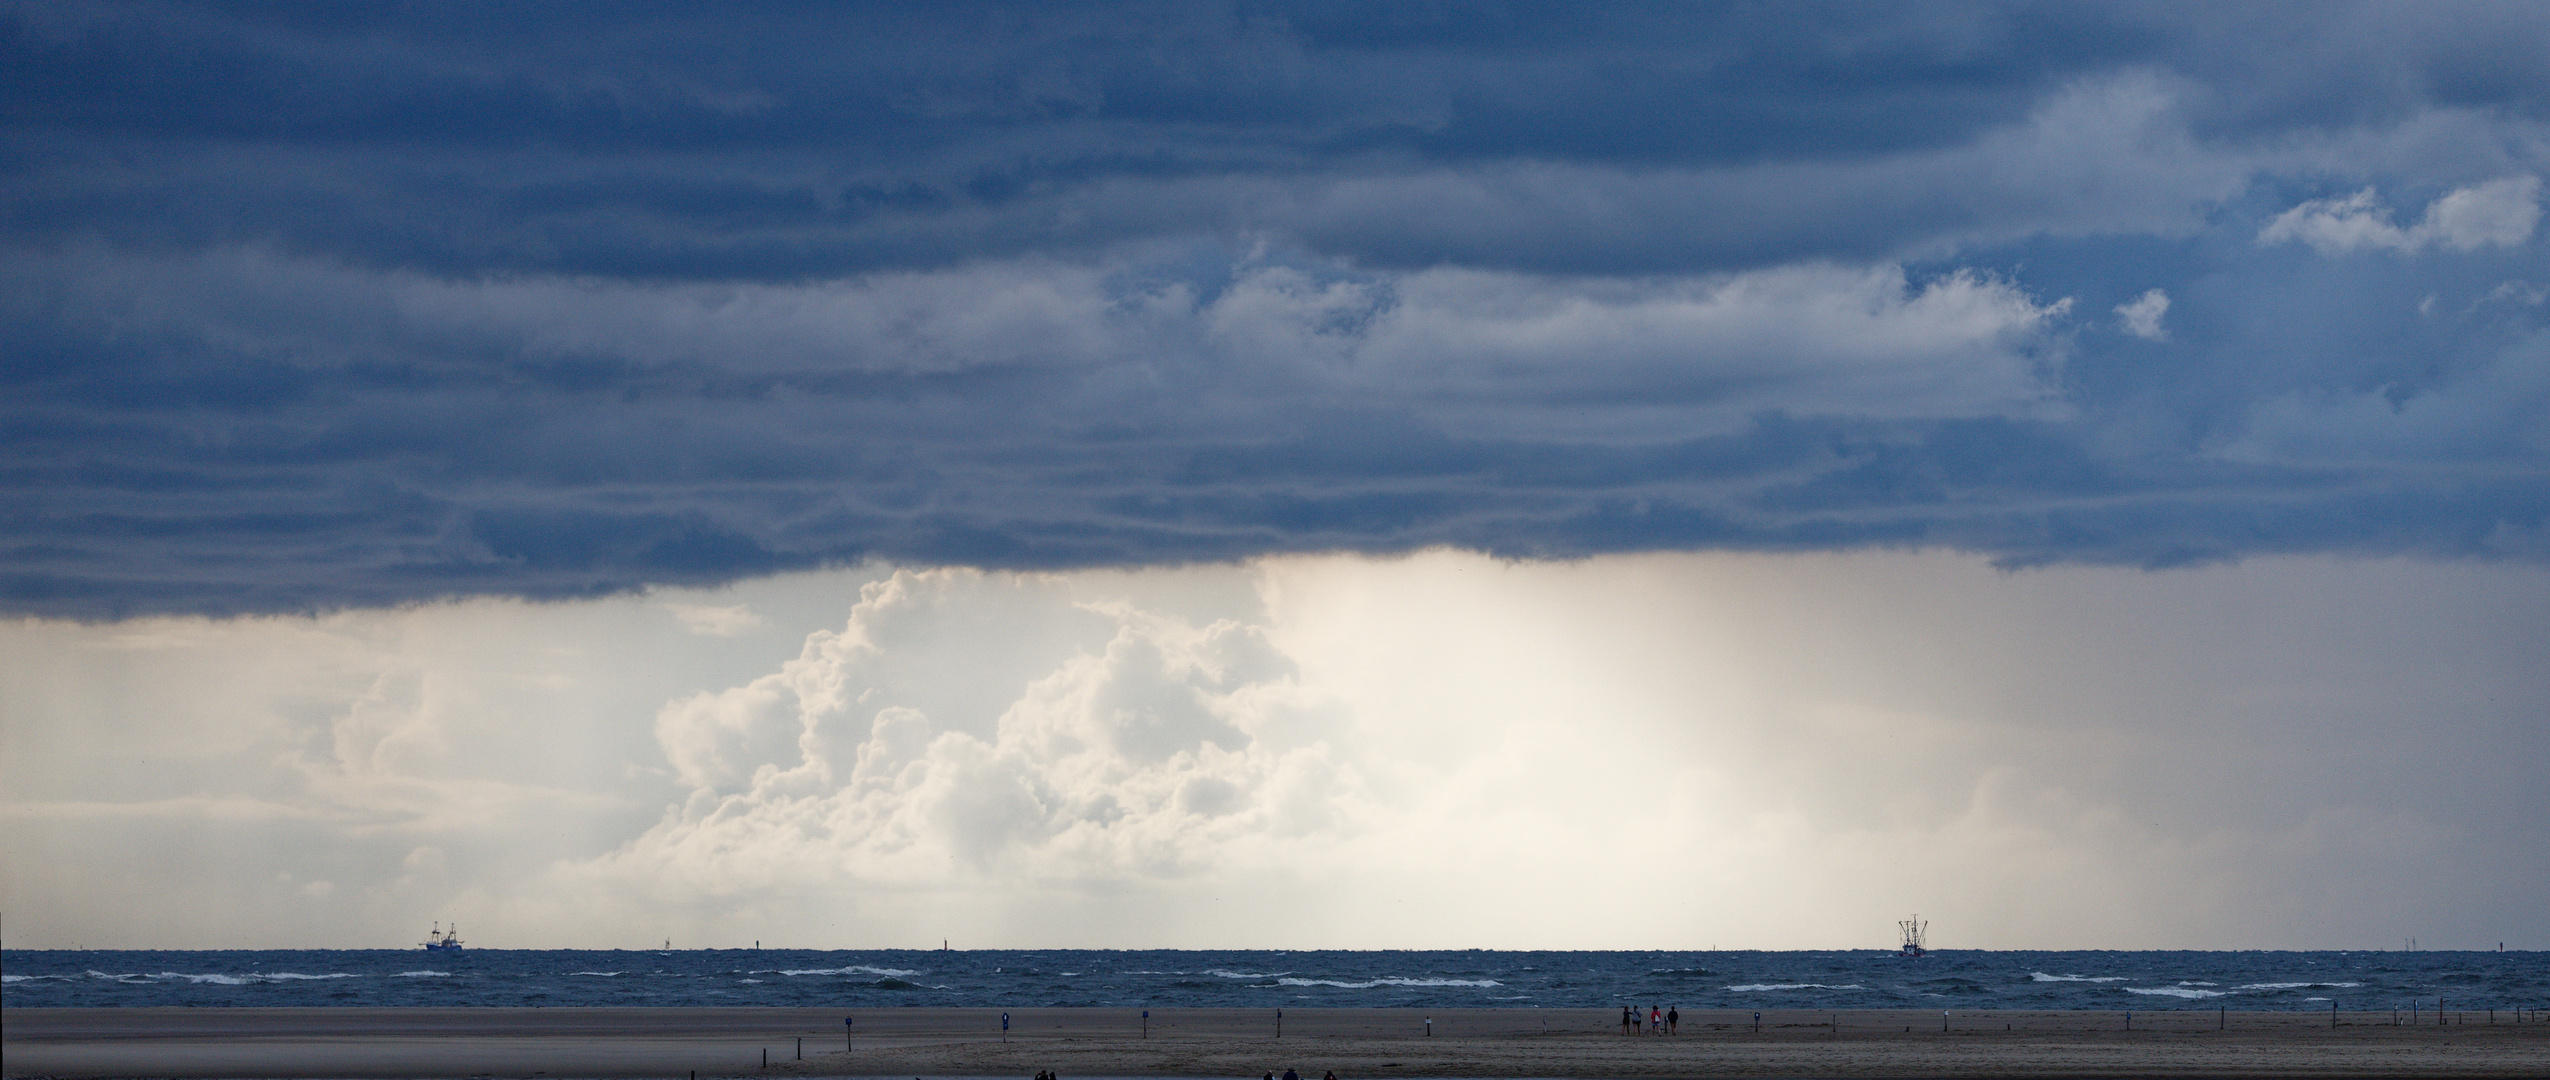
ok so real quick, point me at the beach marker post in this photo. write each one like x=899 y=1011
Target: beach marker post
x=845 y=1034
x=1004 y=1027
x=801 y=1048
x=1146 y=1023
x=1429 y=1027
x=1279 y=1023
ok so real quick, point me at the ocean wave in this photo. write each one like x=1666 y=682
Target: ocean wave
x=2175 y=991
x=854 y=969
x=2040 y=976
x=1753 y=987
x=422 y=975
x=1388 y=981
x=281 y=976
x=597 y=974
x=2297 y=986
x=1218 y=973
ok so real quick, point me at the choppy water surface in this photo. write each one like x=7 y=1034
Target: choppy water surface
x=1761 y=980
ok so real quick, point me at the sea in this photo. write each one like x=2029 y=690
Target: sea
x=869 y=979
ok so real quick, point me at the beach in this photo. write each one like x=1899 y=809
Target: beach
x=1355 y=1044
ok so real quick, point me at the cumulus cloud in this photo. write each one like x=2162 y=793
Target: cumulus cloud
x=1149 y=747
x=2141 y=315
x=2498 y=213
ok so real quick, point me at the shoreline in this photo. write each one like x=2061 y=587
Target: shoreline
x=360 y=1043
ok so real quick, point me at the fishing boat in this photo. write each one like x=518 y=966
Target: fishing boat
x=1915 y=934
x=442 y=939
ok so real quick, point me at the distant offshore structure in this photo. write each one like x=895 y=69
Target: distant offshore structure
x=1915 y=931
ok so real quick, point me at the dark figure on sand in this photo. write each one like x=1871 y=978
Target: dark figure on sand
x=1673 y=1020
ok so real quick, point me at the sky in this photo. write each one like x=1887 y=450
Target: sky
x=1274 y=475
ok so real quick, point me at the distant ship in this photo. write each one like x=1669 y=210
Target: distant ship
x=442 y=939
x=1914 y=931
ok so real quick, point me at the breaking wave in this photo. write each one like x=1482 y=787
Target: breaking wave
x=2175 y=991
x=1387 y=982
x=1756 y=987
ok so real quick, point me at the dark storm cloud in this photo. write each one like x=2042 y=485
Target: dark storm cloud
x=308 y=306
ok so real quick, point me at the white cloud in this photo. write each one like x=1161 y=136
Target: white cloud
x=1811 y=339
x=2499 y=213
x=1509 y=351
x=1147 y=747
x=2141 y=316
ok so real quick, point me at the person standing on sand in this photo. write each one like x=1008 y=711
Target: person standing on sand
x=1626 y=1019
x=1655 y=1020
x=1291 y=1075
x=1673 y=1020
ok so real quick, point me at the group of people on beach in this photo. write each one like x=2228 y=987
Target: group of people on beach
x=1656 y=1022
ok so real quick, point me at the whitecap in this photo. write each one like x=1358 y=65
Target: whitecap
x=1221 y=974
x=2040 y=976
x=597 y=974
x=1749 y=988
x=750 y=982
x=1387 y=981
x=284 y=975
x=855 y=969
x=2298 y=986
x=422 y=975
x=2175 y=991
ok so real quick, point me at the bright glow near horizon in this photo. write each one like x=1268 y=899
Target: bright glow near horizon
x=1669 y=751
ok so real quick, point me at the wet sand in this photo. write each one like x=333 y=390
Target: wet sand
x=1356 y=1044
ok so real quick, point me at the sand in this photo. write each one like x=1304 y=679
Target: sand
x=1356 y=1044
